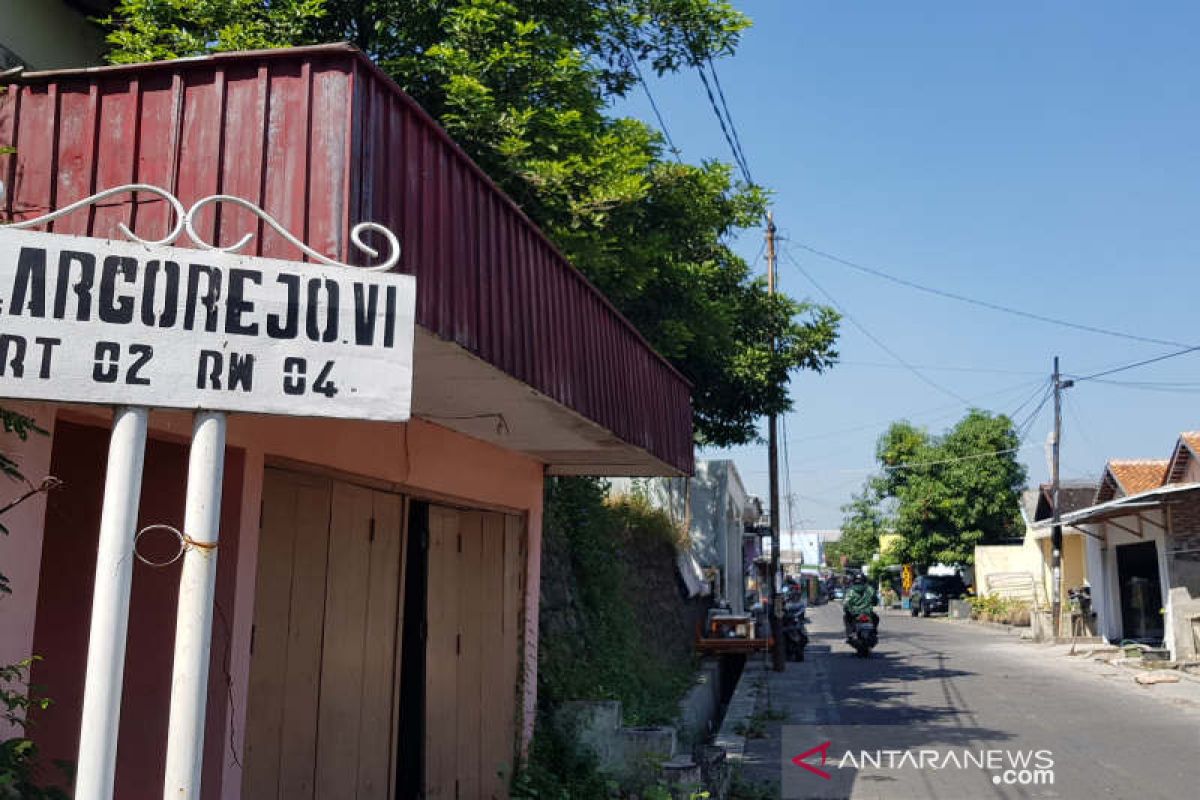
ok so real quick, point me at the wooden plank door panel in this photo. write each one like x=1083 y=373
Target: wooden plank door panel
x=302 y=673
x=381 y=655
x=345 y=624
x=324 y=676
x=441 y=655
x=495 y=763
x=512 y=667
x=476 y=612
x=285 y=661
x=470 y=658
x=273 y=593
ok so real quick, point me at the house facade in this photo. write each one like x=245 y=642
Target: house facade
x=376 y=593
x=1143 y=535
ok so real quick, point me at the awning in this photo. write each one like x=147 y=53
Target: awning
x=1128 y=506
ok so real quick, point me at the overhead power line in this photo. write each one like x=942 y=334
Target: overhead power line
x=951 y=408
x=940 y=461
x=879 y=342
x=1040 y=389
x=916 y=464
x=936 y=368
x=1151 y=386
x=662 y=122
x=737 y=140
x=1135 y=364
x=739 y=157
x=878 y=273
x=1026 y=427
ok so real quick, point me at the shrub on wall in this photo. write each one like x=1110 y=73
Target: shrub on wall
x=995 y=608
x=609 y=652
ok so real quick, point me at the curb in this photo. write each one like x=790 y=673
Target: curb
x=742 y=706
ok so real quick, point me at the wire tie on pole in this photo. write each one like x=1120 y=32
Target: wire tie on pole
x=185 y=543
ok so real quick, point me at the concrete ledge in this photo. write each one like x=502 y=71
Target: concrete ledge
x=741 y=708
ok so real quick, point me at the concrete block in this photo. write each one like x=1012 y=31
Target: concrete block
x=648 y=745
x=1152 y=678
x=681 y=771
x=596 y=727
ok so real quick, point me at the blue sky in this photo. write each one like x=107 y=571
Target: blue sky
x=1044 y=156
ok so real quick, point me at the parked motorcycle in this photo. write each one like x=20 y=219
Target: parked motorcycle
x=863 y=635
x=795 y=633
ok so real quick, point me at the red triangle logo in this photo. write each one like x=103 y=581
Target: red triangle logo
x=823 y=749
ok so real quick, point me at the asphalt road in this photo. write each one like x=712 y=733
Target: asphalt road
x=961 y=694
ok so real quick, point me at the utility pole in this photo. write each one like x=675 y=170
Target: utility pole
x=777 y=655
x=1056 y=537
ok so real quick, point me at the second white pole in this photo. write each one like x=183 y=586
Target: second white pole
x=197 y=591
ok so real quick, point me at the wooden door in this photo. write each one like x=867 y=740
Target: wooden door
x=473 y=660
x=322 y=708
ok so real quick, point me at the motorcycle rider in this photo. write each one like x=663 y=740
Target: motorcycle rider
x=860 y=599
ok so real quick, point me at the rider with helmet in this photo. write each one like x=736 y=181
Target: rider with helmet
x=859 y=599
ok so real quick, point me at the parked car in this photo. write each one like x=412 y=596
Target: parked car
x=934 y=592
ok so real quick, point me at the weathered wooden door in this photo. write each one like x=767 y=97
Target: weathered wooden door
x=476 y=582
x=322 y=712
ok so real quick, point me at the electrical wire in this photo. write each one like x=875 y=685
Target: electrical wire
x=1135 y=364
x=712 y=101
x=1026 y=427
x=953 y=408
x=1069 y=402
x=934 y=368
x=737 y=140
x=971 y=457
x=787 y=475
x=878 y=273
x=879 y=342
x=1042 y=388
x=637 y=70
x=662 y=122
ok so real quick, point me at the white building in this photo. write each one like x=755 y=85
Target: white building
x=715 y=508
x=806 y=548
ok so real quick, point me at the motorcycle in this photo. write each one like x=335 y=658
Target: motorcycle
x=863 y=635
x=795 y=635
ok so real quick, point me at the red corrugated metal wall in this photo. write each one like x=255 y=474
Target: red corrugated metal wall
x=321 y=140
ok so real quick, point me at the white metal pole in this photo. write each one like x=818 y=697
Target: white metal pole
x=110 y=606
x=193 y=626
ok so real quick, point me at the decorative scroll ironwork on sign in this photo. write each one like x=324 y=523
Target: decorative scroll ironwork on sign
x=185 y=221
x=153 y=325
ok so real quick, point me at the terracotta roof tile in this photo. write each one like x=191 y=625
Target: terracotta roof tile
x=1191 y=439
x=1137 y=476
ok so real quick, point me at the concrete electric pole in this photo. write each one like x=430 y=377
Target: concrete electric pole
x=777 y=655
x=1056 y=538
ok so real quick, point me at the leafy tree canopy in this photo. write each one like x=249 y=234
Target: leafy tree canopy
x=524 y=86
x=949 y=493
x=865 y=521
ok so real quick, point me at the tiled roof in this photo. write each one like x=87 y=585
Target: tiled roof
x=1073 y=494
x=1188 y=444
x=1138 y=475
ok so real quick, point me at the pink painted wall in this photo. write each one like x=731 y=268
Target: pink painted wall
x=419 y=458
x=79 y=453
x=21 y=550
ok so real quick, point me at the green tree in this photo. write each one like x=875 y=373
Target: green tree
x=525 y=86
x=955 y=491
x=865 y=521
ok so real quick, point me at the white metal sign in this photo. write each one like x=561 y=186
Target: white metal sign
x=129 y=323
